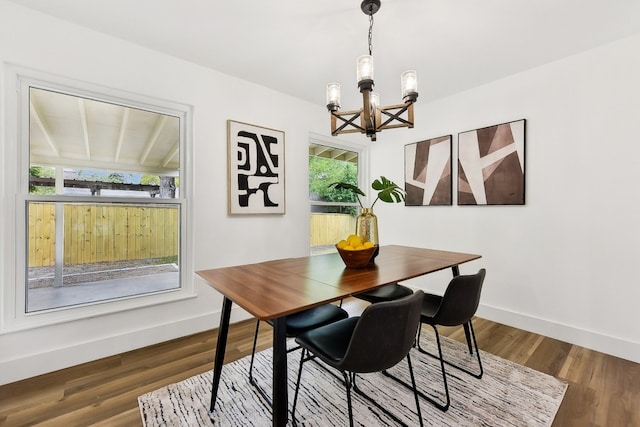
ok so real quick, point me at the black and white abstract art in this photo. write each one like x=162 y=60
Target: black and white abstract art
x=256 y=169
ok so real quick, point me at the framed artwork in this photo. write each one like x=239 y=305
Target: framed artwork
x=491 y=165
x=256 y=169
x=427 y=172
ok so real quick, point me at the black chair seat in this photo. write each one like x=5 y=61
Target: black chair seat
x=430 y=305
x=385 y=293
x=331 y=341
x=299 y=323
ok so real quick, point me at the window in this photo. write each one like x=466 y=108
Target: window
x=333 y=212
x=103 y=188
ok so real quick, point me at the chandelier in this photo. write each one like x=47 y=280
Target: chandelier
x=372 y=118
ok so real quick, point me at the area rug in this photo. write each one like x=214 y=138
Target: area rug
x=507 y=395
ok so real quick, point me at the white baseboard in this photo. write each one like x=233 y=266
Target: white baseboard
x=60 y=358
x=51 y=360
x=614 y=346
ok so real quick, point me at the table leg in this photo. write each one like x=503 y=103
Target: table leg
x=221 y=347
x=280 y=398
x=455 y=270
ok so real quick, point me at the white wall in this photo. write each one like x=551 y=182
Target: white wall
x=564 y=265
x=32 y=40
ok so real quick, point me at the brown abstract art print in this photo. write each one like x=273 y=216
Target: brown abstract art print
x=427 y=172
x=491 y=165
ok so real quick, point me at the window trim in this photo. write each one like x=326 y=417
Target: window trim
x=363 y=151
x=16 y=181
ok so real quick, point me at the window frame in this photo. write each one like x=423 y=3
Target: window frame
x=363 y=151
x=18 y=80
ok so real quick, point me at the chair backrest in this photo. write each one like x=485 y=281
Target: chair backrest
x=383 y=335
x=461 y=299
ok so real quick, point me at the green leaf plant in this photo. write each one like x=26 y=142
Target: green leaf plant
x=388 y=191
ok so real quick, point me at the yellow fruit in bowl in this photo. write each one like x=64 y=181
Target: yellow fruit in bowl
x=354 y=241
x=358 y=253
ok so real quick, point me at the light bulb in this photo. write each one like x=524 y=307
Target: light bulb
x=333 y=96
x=409 y=83
x=364 y=72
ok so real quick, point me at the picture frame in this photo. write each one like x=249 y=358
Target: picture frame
x=491 y=165
x=255 y=169
x=428 y=172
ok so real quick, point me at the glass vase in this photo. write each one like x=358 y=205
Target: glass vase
x=367 y=226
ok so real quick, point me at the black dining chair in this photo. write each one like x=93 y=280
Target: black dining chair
x=297 y=324
x=456 y=307
x=377 y=340
x=389 y=292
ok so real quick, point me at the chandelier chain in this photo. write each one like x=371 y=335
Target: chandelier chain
x=370 y=33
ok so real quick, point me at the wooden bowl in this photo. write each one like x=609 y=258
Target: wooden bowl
x=358 y=259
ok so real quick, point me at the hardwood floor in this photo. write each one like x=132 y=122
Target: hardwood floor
x=603 y=390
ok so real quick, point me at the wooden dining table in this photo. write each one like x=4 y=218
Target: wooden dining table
x=271 y=290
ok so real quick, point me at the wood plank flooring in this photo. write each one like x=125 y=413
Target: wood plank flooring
x=603 y=390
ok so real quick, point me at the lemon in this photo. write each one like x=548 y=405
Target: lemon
x=341 y=244
x=354 y=241
x=348 y=248
x=367 y=245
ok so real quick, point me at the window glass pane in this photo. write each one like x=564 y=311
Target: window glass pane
x=87 y=182
x=100 y=148
x=96 y=249
x=332 y=211
x=110 y=250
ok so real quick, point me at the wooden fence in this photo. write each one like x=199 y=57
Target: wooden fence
x=329 y=229
x=102 y=233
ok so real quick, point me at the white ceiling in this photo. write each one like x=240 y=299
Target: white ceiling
x=297 y=46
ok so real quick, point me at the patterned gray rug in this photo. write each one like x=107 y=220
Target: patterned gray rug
x=507 y=395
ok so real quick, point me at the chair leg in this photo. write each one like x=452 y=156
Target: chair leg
x=349 y=381
x=471 y=338
x=442 y=406
x=295 y=395
x=415 y=390
x=382 y=408
x=444 y=375
x=265 y=397
x=304 y=357
x=467 y=335
x=475 y=343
